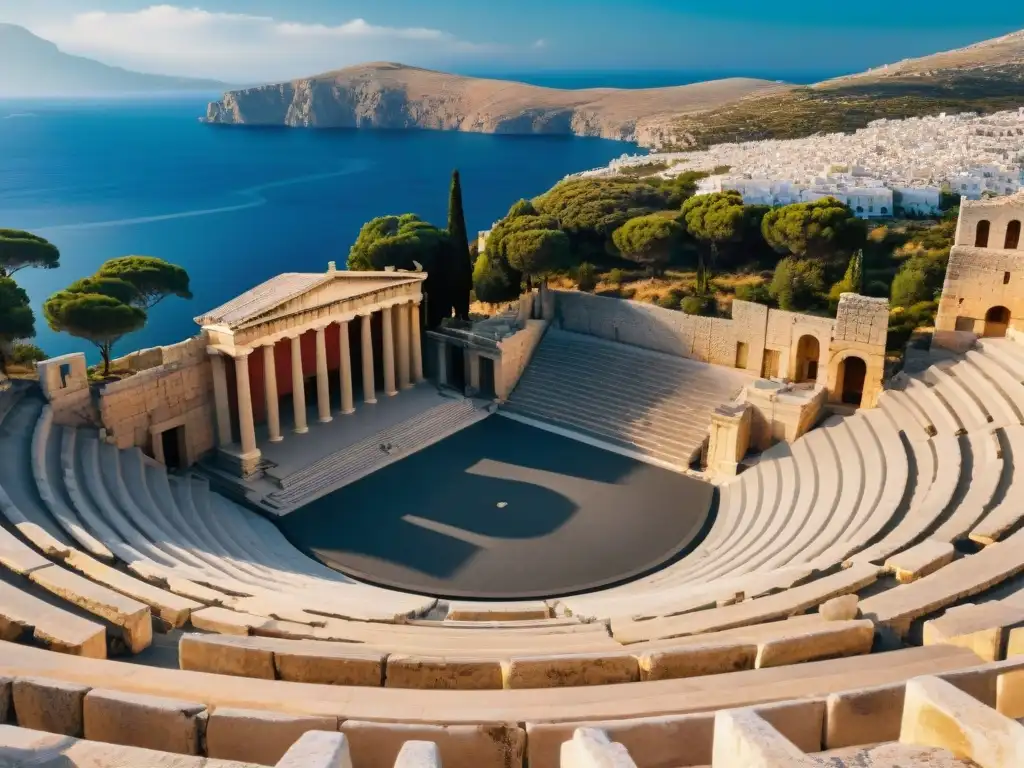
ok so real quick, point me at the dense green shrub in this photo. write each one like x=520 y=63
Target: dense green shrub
x=616 y=276
x=586 y=276
x=700 y=304
x=757 y=292
x=797 y=283
x=26 y=354
x=671 y=300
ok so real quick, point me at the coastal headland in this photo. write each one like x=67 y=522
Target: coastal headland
x=394 y=96
x=985 y=77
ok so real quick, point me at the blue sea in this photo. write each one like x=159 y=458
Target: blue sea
x=235 y=206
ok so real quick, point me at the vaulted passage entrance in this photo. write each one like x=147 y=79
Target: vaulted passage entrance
x=808 y=352
x=997 y=320
x=853 y=371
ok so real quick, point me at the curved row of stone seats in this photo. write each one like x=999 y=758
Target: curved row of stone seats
x=802 y=508
x=940 y=725
x=108 y=598
x=107 y=729
x=132 y=505
x=899 y=607
x=828 y=702
x=647 y=401
x=1009 y=511
x=311 y=660
x=364 y=457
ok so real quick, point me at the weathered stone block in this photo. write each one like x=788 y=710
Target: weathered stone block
x=259 y=737
x=936 y=714
x=318 y=749
x=54 y=706
x=842 y=608
x=695 y=661
x=202 y=653
x=559 y=671
x=469 y=745
x=864 y=716
x=359 y=668
x=136 y=720
x=443 y=673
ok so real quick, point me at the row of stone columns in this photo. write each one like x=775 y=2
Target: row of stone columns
x=400 y=357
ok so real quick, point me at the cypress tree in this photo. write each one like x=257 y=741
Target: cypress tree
x=462 y=272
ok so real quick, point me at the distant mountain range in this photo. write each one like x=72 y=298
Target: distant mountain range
x=981 y=77
x=33 y=67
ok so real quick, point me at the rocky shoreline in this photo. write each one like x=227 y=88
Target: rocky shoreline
x=393 y=96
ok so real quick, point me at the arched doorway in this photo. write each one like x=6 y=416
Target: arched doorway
x=853 y=371
x=997 y=320
x=1012 y=235
x=981 y=234
x=808 y=352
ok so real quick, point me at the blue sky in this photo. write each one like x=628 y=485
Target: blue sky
x=276 y=39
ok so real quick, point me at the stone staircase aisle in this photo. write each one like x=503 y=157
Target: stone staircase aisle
x=648 y=402
x=373 y=453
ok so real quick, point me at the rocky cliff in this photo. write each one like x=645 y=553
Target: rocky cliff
x=386 y=95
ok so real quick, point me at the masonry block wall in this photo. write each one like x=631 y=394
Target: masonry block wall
x=769 y=342
x=65 y=384
x=176 y=394
x=983 y=293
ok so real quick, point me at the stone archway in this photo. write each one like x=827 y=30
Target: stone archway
x=997 y=320
x=852 y=373
x=808 y=356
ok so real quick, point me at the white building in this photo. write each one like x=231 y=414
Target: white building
x=917 y=158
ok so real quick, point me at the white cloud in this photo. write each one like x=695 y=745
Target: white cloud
x=242 y=47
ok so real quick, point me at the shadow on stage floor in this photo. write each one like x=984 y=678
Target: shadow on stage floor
x=504 y=510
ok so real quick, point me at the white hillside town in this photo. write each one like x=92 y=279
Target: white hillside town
x=890 y=167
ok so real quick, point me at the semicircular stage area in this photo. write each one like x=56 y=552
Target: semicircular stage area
x=504 y=510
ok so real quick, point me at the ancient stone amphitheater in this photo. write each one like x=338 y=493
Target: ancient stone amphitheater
x=857 y=601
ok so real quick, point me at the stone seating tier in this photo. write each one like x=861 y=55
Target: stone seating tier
x=640 y=400
x=498 y=728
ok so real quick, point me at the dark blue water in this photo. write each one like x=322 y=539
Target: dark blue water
x=235 y=206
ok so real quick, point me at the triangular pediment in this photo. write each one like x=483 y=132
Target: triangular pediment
x=294 y=292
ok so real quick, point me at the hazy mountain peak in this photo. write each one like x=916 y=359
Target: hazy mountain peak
x=31 y=66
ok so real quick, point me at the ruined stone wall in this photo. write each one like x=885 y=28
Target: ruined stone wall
x=516 y=352
x=65 y=384
x=862 y=325
x=707 y=339
x=860 y=329
x=978 y=279
x=178 y=393
x=999 y=212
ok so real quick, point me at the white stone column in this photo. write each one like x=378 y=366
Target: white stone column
x=220 y=400
x=369 y=386
x=402 y=319
x=270 y=386
x=345 y=369
x=246 y=428
x=323 y=383
x=389 y=353
x=298 y=387
x=417 y=342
